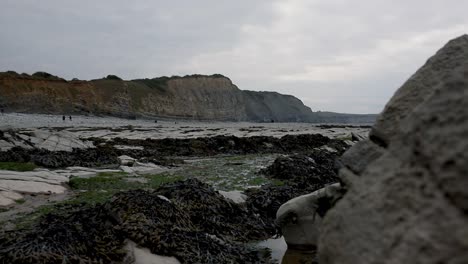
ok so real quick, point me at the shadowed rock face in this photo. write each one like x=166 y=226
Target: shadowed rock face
x=406 y=199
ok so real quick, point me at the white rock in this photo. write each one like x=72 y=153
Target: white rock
x=45 y=176
x=139 y=255
x=31 y=186
x=164 y=198
x=235 y=196
x=8 y=197
x=126 y=160
x=143 y=168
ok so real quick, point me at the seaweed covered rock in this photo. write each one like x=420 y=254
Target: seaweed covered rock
x=187 y=220
x=228 y=144
x=92 y=157
x=213 y=213
x=301 y=173
x=83 y=235
x=173 y=228
x=266 y=200
x=158 y=150
x=313 y=169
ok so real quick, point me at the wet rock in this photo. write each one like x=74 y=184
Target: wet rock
x=408 y=201
x=300 y=218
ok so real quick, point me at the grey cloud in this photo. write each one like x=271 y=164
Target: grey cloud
x=338 y=55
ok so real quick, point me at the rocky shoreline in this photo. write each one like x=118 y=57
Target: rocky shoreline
x=186 y=219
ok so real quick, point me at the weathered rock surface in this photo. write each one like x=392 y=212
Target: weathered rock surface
x=13 y=184
x=407 y=201
x=41 y=139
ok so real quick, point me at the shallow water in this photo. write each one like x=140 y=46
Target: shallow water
x=282 y=255
x=277 y=246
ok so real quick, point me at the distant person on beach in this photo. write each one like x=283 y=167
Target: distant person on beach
x=69 y=117
x=63 y=118
x=1 y=110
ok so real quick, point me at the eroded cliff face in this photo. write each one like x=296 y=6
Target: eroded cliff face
x=213 y=98
x=266 y=106
x=198 y=97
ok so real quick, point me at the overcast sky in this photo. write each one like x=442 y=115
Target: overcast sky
x=336 y=55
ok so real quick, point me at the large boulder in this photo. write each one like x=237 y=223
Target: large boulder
x=407 y=195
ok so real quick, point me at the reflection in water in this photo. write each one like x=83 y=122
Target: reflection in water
x=300 y=257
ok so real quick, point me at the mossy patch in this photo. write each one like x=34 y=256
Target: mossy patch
x=17 y=166
x=96 y=190
x=100 y=188
x=228 y=173
x=20 y=201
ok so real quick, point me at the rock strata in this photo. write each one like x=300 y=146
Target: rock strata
x=406 y=199
x=197 y=97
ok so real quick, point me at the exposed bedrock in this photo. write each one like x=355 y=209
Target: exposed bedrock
x=407 y=195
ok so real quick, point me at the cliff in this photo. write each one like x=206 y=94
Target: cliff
x=198 y=97
x=266 y=106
